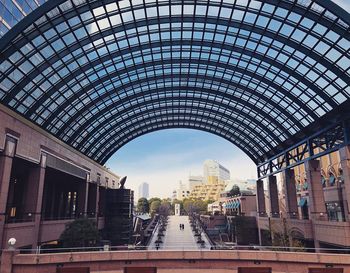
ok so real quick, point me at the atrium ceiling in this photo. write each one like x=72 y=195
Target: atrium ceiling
x=98 y=74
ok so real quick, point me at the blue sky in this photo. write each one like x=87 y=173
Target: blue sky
x=164 y=157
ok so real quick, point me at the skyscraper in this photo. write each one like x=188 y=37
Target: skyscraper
x=144 y=190
x=214 y=181
x=212 y=168
x=12 y=11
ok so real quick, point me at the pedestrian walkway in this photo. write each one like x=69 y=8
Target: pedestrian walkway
x=176 y=239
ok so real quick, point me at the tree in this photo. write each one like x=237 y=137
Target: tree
x=143 y=205
x=200 y=206
x=80 y=233
x=285 y=237
x=188 y=206
x=155 y=206
x=165 y=207
x=235 y=190
x=154 y=199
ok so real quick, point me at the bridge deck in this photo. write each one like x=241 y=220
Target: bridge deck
x=176 y=239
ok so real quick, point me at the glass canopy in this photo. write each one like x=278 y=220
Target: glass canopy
x=97 y=74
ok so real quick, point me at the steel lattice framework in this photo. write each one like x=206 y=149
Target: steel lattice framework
x=261 y=74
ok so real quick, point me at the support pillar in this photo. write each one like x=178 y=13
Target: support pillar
x=317 y=205
x=260 y=196
x=273 y=194
x=97 y=201
x=345 y=165
x=290 y=193
x=6 y=160
x=86 y=200
x=83 y=196
x=316 y=198
x=39 y=188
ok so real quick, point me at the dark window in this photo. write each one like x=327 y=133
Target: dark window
x=335 y=211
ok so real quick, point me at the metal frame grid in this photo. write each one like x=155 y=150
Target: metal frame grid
x=98 y=74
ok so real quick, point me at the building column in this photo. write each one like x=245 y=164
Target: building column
x=39 y=176
x=83 y=196
x=344 y=153
x=86 y=201
x=260 y=198
x=290 y=193
x=6 y=160
x=273 y=195
x=317 y=205
x=97 y=201
x=316 y=198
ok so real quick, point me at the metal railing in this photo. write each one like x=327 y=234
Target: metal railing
x=183 y=248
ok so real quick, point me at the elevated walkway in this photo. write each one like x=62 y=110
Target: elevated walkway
x=176 y=239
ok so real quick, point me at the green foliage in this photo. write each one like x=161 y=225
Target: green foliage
x=197 y=206
x=80 y=233
x=143 y=205
x=154 y=199
x=210 y=201
x=154 y=208
x=235 y=190
x=164 y=208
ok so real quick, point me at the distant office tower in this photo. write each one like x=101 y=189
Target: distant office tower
x=212 y=168
x=144 y=190
x=12 y=11
x=214 y=181
x=194 y=180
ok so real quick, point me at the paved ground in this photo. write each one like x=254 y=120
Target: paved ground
x=179 y=239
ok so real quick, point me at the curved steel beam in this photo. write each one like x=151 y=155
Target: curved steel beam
x=230 y=97
x=240 y=70
x=155 y=111
x=272 y=62
x=100 y=127
x=177 y=61
x=217 y=129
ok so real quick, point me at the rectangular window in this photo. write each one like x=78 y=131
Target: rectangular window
x=335 y=211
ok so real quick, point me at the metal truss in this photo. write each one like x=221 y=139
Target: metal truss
x=264 y=74
x=324 y=142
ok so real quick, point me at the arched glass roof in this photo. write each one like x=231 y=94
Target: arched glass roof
x=98 y=74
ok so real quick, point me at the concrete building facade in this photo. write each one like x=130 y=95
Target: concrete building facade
x=45 y=184
x=212 y=168
x=194 y=180
x=215 y=177
x=181 y=192
x=311 y=199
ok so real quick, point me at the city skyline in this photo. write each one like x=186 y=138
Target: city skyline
x=173 y=155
